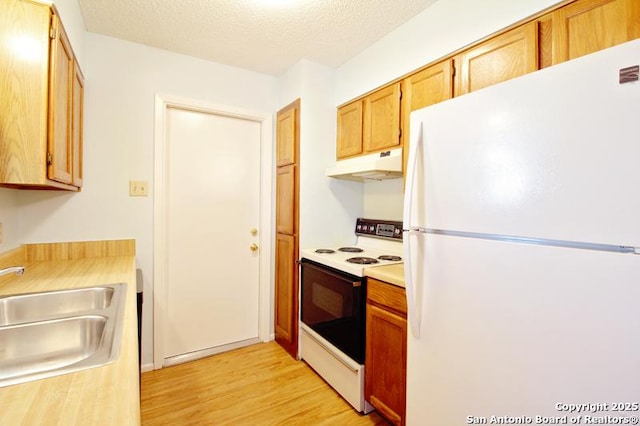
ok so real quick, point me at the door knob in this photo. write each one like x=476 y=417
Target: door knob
x=254 y=247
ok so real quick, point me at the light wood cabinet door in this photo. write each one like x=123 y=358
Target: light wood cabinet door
x=587 y=26
x=287 y=128
x=77 y=124
x=501 y=58
x=349 y=130
x=287 y=218
x=61 y=82
x=545 y=41
x=23 y=92
x=286 y=196
x=286 y=294
x=386 y=350
x=424 y=88
x=381 y=122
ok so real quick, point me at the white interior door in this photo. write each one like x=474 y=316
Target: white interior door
x=213 y=202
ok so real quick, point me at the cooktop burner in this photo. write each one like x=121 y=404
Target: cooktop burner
x=351 y=249
x=362 y=260
x=378 y=243
x=390 y=257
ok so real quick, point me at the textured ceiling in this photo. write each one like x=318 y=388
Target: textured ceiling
x=267 y=36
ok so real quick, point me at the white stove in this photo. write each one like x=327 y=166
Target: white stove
x=379 y=243
x=333 y=299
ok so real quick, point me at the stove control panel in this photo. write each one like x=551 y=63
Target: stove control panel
x=387 y=229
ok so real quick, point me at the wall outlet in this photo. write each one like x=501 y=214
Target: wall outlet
x=138 y=188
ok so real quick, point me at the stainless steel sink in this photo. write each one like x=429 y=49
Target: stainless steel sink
x=52 y=333
x=41 y=306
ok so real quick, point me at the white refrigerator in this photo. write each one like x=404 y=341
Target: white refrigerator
x=522 y=243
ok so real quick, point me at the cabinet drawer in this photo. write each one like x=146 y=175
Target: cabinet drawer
x=387 y=295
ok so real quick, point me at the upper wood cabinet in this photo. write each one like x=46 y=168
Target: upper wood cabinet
x=349 y=130
x=545 y=41
x=77 y=125
x=287 y=176
x=41 y=90
x=286 y=129
x=501 y=58
x=370 y=124
x=587 y=26
x=381 y=124
x=61 y=83
x=424 y=88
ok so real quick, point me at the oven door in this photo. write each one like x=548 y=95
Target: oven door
x=333 y=306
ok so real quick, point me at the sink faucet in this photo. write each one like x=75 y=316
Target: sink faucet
x=18 y=270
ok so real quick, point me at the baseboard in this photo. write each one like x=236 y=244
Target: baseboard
x=147 y=367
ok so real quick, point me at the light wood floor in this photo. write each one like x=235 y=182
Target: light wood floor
x=257 y=385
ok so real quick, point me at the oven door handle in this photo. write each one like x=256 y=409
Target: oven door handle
x=324 y=269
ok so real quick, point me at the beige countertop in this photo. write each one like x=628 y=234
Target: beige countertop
x=393 y=274
x=107 y=395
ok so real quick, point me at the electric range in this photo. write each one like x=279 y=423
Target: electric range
x=333 y=304
x=378 y=243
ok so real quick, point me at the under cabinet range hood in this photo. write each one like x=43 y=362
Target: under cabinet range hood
x=378 y=166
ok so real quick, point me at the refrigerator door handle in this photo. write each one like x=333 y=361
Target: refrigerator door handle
x=416 y=229
x=413 y=315
x=412 y=162
x=413 y=310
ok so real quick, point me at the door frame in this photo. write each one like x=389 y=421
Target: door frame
x=160 y=206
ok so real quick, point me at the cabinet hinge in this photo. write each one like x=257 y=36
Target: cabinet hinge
x=52 y=33
x=400 y=94
x=49 y=158
x=453 y=71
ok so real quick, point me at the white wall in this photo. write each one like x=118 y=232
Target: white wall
x=384 y=199
x=9 y=219
x=122 y=79
x=328 y=207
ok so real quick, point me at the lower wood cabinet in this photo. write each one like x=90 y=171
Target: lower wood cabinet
x=286 y=294
x=386 y=350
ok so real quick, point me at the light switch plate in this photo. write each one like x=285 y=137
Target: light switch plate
x=138 y=188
